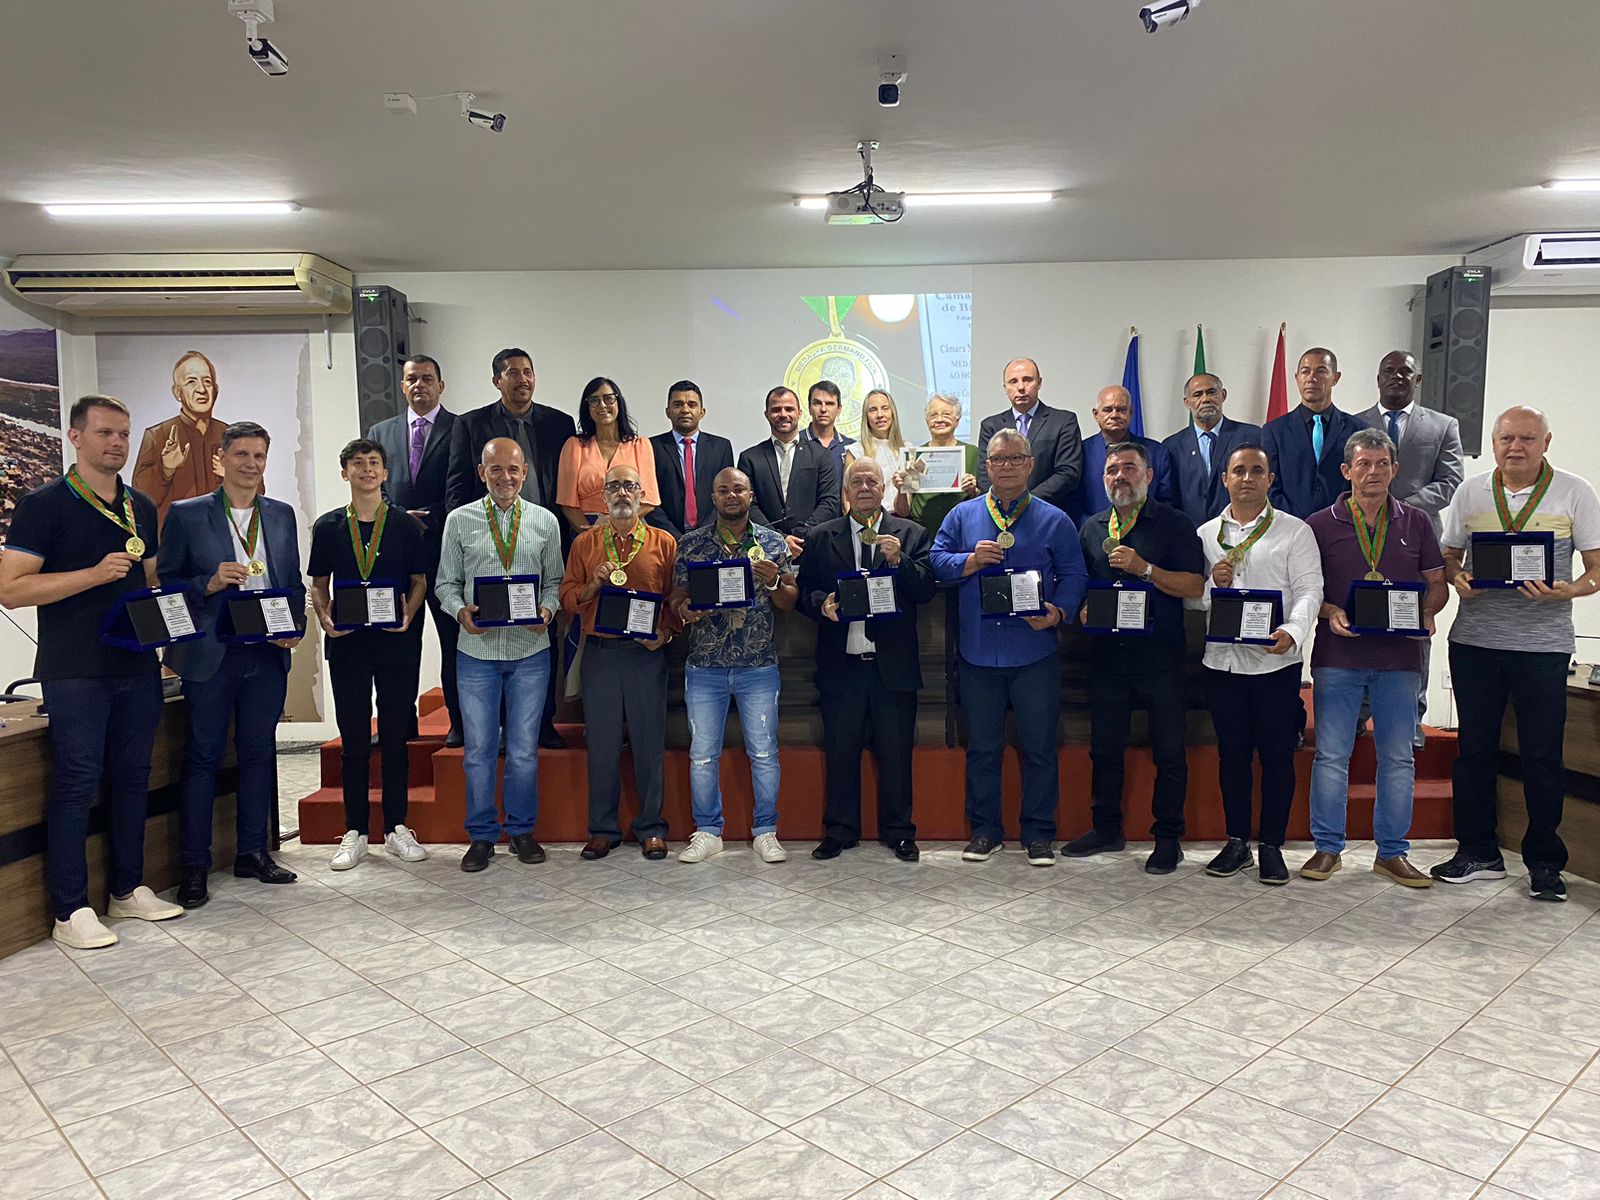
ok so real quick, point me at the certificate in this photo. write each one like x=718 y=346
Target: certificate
x=275 y=612
x=731 y=585
x=1405 y=609
x=175 y=615
x=931 y=469
x=1527 y=562
x=522 y=601
x=1255 y=620
x=642 y=617
x=1025 y=592
x=1131 y=609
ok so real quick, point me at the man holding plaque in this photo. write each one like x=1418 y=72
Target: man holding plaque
x=1510 y=539
x=1383 y=583
x=624 y=677
x=77 y=547
x=868 y=669
x=228 y=547
x=369 y=576
x=1021 y=573
x=500 y=572
x=731 y=656
x=1258 y=559
x=1143 y=548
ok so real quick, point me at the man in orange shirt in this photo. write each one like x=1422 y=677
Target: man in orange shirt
x=624 y=678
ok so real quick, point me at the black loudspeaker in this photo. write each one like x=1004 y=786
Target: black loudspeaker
x=1455 y=355
x=383 y=339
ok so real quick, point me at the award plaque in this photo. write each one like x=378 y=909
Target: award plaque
x=864 y=594
x=1121 y=607
x=1007 y=592
x=723 y=583
x=1244 y=616
x=257 y=616
x=151 y=618
x=623 y=612
x=375 y=604
x=506 y=600
x=1509 y=560
x=1386 y=609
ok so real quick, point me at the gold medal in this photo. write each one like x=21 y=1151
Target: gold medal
x=1006 y=539
x=757 y=554
x=1235 y=557
x=619 y=577
x=134 y=546
x=1109 y=545
x=256 y=568
x=1374 y=577
x=868 y=534
x=841 y=359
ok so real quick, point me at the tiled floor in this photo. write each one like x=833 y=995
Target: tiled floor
x=624 y=1029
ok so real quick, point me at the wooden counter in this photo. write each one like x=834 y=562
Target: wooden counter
x=1580 y=819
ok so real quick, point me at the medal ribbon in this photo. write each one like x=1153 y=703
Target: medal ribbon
x=125 y=522
x=746 y=543
x=1003 y=523
x=1514 y=524
x=613 y=554
x=1371 y=543
x=1117 y=529
x=247 y=536
x=1243 y=548
x=366 y=556
x=868 y=526
x=505 y=547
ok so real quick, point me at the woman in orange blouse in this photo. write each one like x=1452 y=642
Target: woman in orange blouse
x=606 y=438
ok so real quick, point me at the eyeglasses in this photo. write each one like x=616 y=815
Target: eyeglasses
x=623 y=485
x=603 y=401
x=1009 y=460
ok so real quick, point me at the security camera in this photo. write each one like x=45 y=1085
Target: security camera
x=493 y=122
x=1170 y=12
x=891 y=74
x=267 y=56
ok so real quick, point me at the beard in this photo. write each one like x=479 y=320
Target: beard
x=622 y=508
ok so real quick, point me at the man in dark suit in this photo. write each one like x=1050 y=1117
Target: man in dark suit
x=540 y=432
x=1199 y=453
x=795 y=482
x=1306 y=446
x=868 y=672
x=1052 y=435
x=416 y=445
x=687 y=460
x=1113 y=413
x=231 y=541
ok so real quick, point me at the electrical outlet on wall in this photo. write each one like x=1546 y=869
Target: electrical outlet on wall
x=1444 y=678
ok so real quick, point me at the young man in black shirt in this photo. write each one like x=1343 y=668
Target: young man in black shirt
x=76 y=546
x=379 y=547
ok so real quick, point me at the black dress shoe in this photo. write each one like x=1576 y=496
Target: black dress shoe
x=549 y=739
x=1235 y=857
x=1164 y=859
x=260 y=866
x=192 y=887
x=831 y=847
x=906 y=851
x=477 y=856
x=453 y=740
x=526 y=849
x=1094 y=842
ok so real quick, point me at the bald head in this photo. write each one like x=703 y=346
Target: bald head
x=1520 y=439
x=730 y=494
x=1113 y=412
x=1398 y=379
x=624 y=492
x=1022 y=380
x=502 y=470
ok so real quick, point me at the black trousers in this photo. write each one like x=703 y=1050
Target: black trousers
x=624 y=684
x=858 y=713
x=1112 y=699
x=1535 y=684
x=1255 y=716
x=354 y=680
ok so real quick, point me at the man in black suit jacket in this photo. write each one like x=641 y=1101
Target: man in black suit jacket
x=812 y=494
x=416 y=445
x=1199 y=453
x=1308 y=481
x=1052 y=435
x=710 y=454
x=868 y=672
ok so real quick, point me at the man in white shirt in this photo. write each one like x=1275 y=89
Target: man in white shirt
x=1252 y=690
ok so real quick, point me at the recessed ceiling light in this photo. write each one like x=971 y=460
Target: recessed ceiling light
x=186 y=208
x=1573 y=185
x=948 y=199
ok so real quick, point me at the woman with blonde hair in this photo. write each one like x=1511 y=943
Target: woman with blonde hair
x=942 y=414
x=879 y=439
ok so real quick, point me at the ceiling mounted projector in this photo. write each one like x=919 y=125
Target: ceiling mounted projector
x=866 y=203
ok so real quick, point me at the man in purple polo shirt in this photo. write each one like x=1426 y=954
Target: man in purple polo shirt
x=1395 y=542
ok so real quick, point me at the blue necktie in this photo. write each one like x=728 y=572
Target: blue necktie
x=1394 y=430
x=1023 y=421
x=1208 y=439
x=1316 y=436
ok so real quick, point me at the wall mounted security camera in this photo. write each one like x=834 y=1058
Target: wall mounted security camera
x=889 y=95
x=492 y=122
x=1156 y=16
x=891 y=74
x=267 y=56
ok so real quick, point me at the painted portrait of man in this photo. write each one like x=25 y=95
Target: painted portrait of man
x=178 y=458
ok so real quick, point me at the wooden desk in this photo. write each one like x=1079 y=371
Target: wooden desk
x=27 y=774
x=1580 y=818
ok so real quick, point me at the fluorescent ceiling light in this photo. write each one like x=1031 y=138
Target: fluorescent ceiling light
x=1573 y=185
x=948 y=199
x=204 y=208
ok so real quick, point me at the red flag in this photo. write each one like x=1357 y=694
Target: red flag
x=1278 y=389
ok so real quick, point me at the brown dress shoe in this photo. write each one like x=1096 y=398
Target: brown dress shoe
x=1320 y=865
x=1400 y=870
x=653 y=848
x=599 y=847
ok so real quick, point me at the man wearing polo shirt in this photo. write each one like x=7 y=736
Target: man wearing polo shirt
x=825 y=401
x=1139 y=538
x=1011 y=661
x=1250 y=689
x=624 y=679
x=1513 y=645
x=1367 y=534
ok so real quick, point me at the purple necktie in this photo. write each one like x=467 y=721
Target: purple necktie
x=419 y=438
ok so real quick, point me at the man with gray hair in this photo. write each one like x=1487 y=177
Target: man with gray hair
x=1512 y=644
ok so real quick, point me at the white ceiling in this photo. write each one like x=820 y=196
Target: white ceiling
x=671 y=133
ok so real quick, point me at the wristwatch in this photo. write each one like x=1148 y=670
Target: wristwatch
x=1149 y=570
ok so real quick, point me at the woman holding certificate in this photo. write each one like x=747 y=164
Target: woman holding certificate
x=880 y=440
x=940 y=475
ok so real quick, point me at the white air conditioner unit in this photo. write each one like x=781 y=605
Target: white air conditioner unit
x=187 y=285
x=1543 y=264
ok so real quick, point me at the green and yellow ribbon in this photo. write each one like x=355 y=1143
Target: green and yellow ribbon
x=614 y=553
x=1514 y=524
x=1235 y=554
x=250 y=533
x=505 y=547
x=85 y=493
x=366 y=554
x=1371 y=542
x=1003 y=522
x=1117 y=529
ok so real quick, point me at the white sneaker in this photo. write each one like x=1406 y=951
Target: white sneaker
x=83 y=931
x=352 y=849
x=767 y=847
x=402 y=843
x=144 y=905
x=701 y=847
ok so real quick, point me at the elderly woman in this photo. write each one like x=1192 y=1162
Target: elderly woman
x=606 y=438
x=942 y=415
x=879 y=440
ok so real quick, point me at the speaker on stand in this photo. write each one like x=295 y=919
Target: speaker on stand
x=1455 y=354
x=383 y=340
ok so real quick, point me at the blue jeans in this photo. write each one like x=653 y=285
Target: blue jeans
x=706 y=691
x=482 y=685
x=1033 y=692
x=249 y=689
x=99 y=724
x=1336 y=694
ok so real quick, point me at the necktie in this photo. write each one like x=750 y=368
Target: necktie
x=691 y=510
x=419 y=438
x=1316 y=436
x=1023 y=421
x=1394 y=429
x=785 y=464
x=1208 y=441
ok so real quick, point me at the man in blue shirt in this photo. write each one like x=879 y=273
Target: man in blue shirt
x=1010 y=660
x=1113 y=413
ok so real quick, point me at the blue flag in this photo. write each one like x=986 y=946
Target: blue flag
x=1130 y=380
